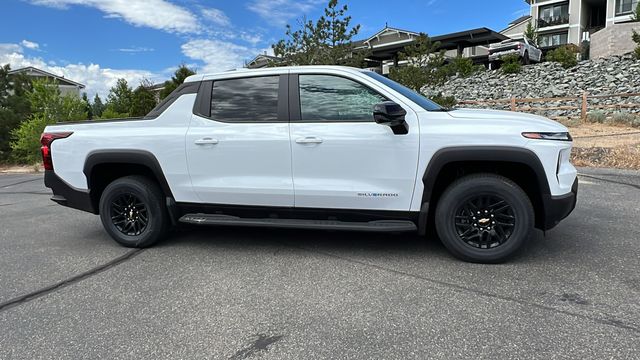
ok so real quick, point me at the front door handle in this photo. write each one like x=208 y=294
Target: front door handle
x=206 y=141
x=309 y=140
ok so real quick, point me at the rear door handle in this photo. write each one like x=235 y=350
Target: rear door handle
x=206 y=141
x=309 y=140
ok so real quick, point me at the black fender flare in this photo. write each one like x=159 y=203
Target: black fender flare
x=510 y=154
x=126 y=156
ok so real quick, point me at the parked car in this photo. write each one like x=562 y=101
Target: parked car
x=524 y=49
x=318 y=147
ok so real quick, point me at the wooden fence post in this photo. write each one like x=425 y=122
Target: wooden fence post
x=513 y=103
x=583 y=116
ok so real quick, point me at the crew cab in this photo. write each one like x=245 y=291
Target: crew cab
x=523 y=49
x=316 y=147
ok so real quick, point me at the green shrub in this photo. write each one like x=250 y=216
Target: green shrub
x=565 y=55
x=463 y=67
x=110 y=113
x=636 y=39
x=446 y=102
x=511 y=64
x=597 y=116
x=623 y=118
x=25 y=145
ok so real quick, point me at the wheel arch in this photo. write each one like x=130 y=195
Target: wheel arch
x=518 y=164
x=104 y=166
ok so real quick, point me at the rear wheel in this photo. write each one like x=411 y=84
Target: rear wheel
x=132 y=211
x=484 y=218
x=525 y=59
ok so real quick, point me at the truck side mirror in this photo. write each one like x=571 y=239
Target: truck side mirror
x=393 y=115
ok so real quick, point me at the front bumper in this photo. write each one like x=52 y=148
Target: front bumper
x=66 y=195
x=557 y=208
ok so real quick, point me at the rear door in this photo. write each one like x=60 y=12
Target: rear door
x=343 y=159
x=238 y=148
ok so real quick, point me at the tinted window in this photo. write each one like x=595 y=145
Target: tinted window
x=333 y=98
x=248 y=99
x=405 y=91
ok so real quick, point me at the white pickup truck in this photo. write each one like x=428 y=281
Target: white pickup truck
x=524 y=49
x=317 y=147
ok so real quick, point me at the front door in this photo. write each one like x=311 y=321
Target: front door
x=343 y=159
x=239 y=152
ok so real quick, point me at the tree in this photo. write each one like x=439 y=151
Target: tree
x=326 y=41
x=177 y=79
x=531 y=33
x=48 y=107
x=636 y=36
x=98 y=107
x=120 y=98
x=14 y=106
x=143 y=99
x=88 y=108
x=424 y=64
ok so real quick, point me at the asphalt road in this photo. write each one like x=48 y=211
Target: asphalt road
x=69 y=292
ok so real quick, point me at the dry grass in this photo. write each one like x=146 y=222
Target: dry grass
x=606 y=145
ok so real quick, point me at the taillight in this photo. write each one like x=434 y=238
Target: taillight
x=46 y=139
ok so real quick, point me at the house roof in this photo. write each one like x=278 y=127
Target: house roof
x=61 y=79
x=473 y=37
x=520 y=20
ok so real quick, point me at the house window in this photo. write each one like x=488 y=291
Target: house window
x=624 y=7
x=548 y=40
x=556 y=14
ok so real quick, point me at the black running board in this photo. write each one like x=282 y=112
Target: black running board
x=374 y=226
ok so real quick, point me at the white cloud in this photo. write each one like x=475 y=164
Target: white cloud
x=136 y=49
x=218 y=55
x=156 y=14
x=280 y=12
x=96 y=78
x=216 y=16
x=30 y=44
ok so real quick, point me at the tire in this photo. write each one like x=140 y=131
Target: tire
x=133 y=197
x=494 y=235
x=525 y=59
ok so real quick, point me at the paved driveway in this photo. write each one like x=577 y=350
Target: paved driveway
x=68 y=291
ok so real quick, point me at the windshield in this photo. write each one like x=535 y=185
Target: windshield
x=406 y=92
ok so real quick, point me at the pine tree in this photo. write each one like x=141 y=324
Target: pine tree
x=143 y=99
x=531 y=33
x=324 y=42
x=88 y=108
x=97 y=107
x=120 y=98
x=424 y=64
x=177 y=79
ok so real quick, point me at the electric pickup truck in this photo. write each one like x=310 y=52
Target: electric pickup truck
x=317 y=147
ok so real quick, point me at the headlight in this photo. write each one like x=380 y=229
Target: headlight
x=560 y=136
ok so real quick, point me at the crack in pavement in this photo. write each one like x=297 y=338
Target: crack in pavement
x=608 y=321
x=611 y=181
x=70 y=281
x=20 y=182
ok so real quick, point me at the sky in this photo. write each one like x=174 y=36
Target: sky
x=95 y=42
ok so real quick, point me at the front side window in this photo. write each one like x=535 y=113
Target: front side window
x=334 y=98
x=248 y=99
x=624 y=7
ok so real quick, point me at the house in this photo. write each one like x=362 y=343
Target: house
x=261 y=61
x=607 y=24
x=66 y=86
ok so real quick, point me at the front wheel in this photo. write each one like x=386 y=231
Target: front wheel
x=484 y=218
x=132 y=211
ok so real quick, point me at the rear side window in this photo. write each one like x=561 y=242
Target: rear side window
x=334 y=98
x=248 y=99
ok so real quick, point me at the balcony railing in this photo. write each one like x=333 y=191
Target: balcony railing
x=553 y=21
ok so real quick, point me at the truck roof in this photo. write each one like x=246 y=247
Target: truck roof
x=272 y=70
